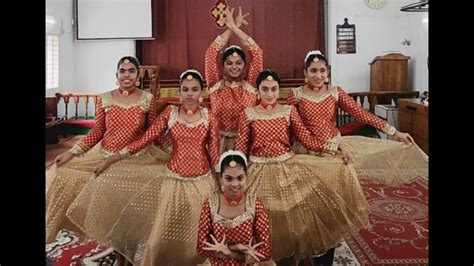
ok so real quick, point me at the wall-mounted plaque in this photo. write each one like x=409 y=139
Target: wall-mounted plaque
x=346 y=38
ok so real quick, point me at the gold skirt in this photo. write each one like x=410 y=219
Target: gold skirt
x=148 y=214
x=313 y=203
x=388 y=161
x=227 y=141
x=64 y=184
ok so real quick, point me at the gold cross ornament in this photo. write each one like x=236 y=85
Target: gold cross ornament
x=217 y=12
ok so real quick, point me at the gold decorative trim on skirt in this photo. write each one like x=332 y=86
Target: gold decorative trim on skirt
x=107 y=153
x=298 y=148
x=170 y=173
x=280 y=158
x=227 y=141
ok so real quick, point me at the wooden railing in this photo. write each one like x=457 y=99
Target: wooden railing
x=170 y=96
x=148 y=77
x=382 y=97
x=374 y=98
x=77 y=99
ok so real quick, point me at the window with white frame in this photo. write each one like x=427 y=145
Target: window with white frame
x=52 y=61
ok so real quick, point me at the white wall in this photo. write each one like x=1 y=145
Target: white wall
x=62 y=10
x=418 y=49
x=95 y=63
x=377 y=32
x=90 y=65
x=84 y=66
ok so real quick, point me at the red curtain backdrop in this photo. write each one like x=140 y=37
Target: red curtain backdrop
x=285 y=29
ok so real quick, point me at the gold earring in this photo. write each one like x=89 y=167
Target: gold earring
x=137 y=83
x=222 y=188
x=305 y=80
x=200 y=99
x=117 y=83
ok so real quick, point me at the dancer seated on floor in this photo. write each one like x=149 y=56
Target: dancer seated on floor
x=234 y=226
x=317 y=102
x=122 y=116
x=313 y=202
x=158 y=223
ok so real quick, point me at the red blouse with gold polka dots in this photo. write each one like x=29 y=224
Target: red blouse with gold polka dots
x=118 y=124
x=253 y=223
x=268 y=135
x=227 y=103
x=195 y=144
x=320 y=113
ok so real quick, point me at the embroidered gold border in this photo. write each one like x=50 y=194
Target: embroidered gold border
x=174 y=117
x=77 y=149
x=280 y=158
x=245 y=85
x=333 y=144
x=124 y=153
x=248 y=214
x=143 y=103
x=332 y=91
x=250 y=43
x=283 y=112
x=390 y=130
x=171 y=174
x=219 y=42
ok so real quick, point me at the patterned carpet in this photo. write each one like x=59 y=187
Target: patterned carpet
x=398 y=234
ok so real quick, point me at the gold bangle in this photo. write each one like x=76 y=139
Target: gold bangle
x=219 y=42
x=77 y=150
x=124 y=153
x=250 y=43
x=391 y=130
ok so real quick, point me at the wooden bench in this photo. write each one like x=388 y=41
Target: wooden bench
x=52 y=120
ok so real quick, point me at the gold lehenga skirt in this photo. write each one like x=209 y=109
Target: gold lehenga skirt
x=388 y=161
x=227 y=141
x=63 y=184
x=152 y=224
x=313 y=203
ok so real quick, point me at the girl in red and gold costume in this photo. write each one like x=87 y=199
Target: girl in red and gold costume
x=159 y=224
x=234 y=227
x=231 y=94
x=122 y=116
x=317 y=102
x=313 y=203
